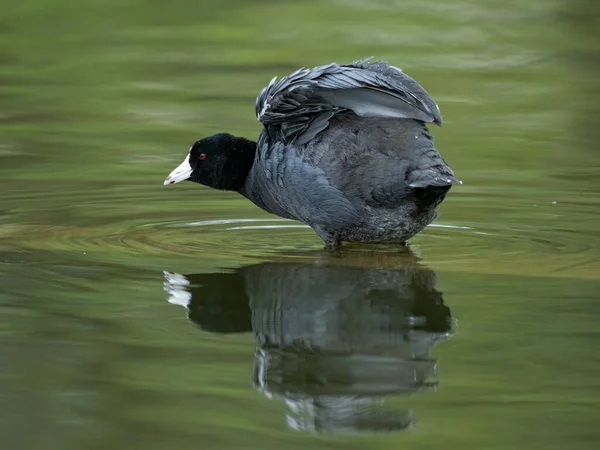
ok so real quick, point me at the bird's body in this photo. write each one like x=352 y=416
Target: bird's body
x=344 y=149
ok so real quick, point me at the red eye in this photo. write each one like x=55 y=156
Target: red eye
x=202 y=156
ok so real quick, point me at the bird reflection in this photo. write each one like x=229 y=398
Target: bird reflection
x=335 y=336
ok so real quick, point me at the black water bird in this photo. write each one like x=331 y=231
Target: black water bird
x=344 y=149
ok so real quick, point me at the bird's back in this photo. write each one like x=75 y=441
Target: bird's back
x=346 y=150
x=390 y=171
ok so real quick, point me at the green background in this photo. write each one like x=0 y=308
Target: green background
x=100 y=100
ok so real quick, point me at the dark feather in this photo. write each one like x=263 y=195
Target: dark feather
x=304 y=101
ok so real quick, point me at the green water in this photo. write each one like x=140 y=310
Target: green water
x=483 y=336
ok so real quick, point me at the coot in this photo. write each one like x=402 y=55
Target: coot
x=344 y=148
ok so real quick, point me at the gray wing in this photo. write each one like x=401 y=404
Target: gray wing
x=299 y=106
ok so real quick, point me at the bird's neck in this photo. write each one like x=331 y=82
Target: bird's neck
x=240 y=152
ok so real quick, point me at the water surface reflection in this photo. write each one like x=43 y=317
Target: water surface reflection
x=333 y=341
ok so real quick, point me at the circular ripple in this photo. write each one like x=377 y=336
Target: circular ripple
x=512 y=249
x=120 y=222
x=229 y=236
x=448 y=242
x=216 y=237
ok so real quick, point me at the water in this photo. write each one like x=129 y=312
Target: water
x=138 y=316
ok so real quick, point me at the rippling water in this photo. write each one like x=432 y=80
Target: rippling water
x=139 y=316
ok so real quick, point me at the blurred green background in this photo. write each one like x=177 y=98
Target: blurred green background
x=100 y=100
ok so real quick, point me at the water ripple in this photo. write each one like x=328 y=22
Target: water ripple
x=99 y=222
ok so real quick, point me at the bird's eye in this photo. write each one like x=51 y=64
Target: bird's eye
x=202 y=156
